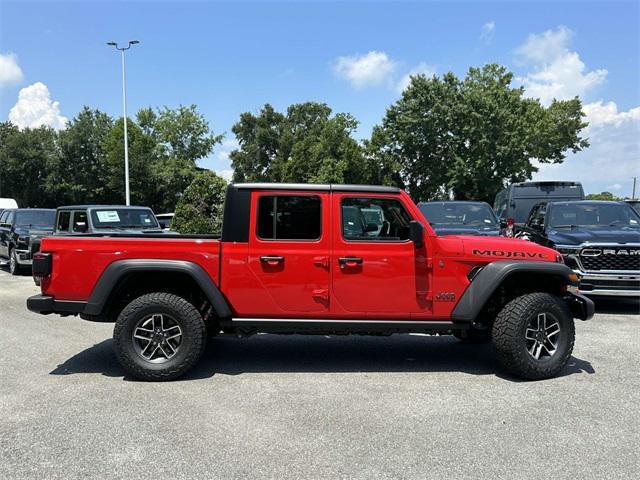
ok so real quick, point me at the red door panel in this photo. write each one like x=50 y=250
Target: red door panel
x=294 y=273
x=376 y=278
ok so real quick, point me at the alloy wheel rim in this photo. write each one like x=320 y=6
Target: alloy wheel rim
x=542 y=336
x=157 y=338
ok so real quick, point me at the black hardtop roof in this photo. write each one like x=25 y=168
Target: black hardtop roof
x=467 y=202
x=82 y=207
x=320 y=187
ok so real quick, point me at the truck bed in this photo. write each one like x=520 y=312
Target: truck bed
x=92 y=254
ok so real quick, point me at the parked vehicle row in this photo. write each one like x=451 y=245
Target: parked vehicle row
x=599 y=240
x=21 y=229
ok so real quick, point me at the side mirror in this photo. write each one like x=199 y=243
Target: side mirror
x=80 y=227
x=535 y=224
x=503 y=223
x=416 y=233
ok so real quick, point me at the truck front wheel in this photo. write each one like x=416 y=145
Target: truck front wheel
x=534 y=335
x=159 y=336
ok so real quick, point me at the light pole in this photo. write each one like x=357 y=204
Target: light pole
x=124 y=107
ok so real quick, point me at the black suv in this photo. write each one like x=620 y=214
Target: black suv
x=599 y=240
x=19 y=229
x=460 y=218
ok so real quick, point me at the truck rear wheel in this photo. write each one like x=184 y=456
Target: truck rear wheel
x=159 y=336
x=534 y=335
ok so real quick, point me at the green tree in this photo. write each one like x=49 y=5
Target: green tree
x=164 y=146
x=199 y=209
x=25 y=158
x=469 y=137
x=142 y=156
x=81 y=174
x=307 y=144
x=603 y=196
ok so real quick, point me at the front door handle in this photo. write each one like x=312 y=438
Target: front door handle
x=272 y=259
x=349 y=261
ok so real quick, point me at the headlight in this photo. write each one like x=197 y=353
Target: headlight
x=24 y=239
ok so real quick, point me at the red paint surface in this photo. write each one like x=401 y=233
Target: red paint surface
x=394 y=281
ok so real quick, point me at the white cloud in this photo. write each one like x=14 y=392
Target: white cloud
x=10 y=71
x=487 y=31
x=599 y=114
x=613 y=157
x=35 y=108
x=421 y=69
x=557 y=72
x=220 y=161
x=372 y=69
x=227 y=174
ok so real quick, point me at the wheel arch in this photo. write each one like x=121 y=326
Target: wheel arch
x=508 y=276
x=174 y=276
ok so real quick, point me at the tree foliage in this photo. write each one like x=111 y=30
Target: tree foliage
x=307 y=144
x=84 y=163
x=603 y=196
x=199 y=209
x=469 y=137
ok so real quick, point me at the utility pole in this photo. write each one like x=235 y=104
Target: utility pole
x=124 y=107
x=633 y=195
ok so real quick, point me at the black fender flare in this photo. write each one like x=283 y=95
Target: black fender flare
x=118 y=269
x=487 y=280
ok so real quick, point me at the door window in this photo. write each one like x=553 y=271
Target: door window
x=80 y=222
x=64 y=218
x=289 y=217
x=374 y=219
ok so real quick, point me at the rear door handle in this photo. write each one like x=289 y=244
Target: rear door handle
x=272 y=259
x=349 y=261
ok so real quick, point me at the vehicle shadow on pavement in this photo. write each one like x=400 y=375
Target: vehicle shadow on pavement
x=322 y=354
x=613 y=306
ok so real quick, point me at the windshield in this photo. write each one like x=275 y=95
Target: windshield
x=593 y=215
x=43 y=219
x=459 y=214
x=124 y=218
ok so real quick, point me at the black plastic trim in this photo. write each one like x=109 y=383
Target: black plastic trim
x=276 y=325
x=581 y=307
x=488 y=279
x=46 y=304
x=235 y=220
x=324 y=187
x=115 y=271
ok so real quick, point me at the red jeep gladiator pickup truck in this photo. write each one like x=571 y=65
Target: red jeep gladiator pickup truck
x=327 y=259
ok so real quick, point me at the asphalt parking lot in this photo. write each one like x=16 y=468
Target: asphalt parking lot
x=406 y=406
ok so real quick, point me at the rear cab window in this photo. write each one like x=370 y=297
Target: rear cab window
x=63 y=222
x=289 y=217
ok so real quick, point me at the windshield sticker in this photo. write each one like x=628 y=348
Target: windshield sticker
x=108 y=216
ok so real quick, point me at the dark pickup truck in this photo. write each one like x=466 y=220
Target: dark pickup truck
x=294 y=258
x=600 y=241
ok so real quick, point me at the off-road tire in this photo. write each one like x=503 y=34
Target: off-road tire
x=509 y=335
x=473 y=336
x=185 y=315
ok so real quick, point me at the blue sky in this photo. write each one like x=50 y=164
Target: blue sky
x=228 y=58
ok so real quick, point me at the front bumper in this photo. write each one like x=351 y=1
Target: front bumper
x=609 y=284
x=23 y=257
x=581 y=307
